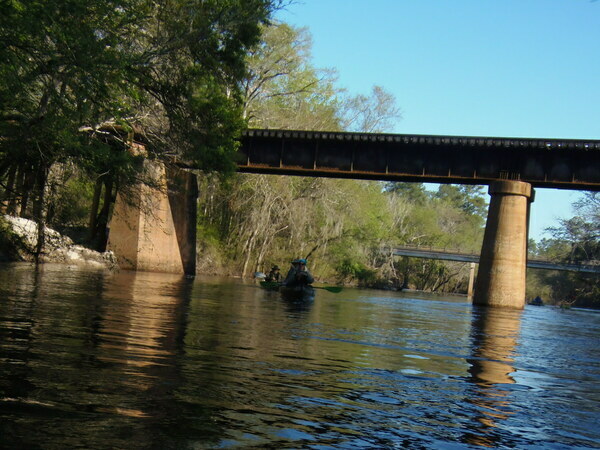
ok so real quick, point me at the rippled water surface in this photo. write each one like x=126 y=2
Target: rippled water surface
x=95 y=360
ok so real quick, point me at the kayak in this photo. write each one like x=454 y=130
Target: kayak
x=300 y=292
x=270 y=285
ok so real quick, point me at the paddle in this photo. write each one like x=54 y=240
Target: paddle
x=275 y=284
x=334 y=289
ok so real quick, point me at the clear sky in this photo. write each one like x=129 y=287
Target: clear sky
x=505 y=68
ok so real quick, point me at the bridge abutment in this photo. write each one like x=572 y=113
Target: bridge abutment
x=154 y=228
x=503 y=261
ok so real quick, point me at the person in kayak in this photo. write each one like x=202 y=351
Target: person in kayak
x=274 y=275
x=298 y=275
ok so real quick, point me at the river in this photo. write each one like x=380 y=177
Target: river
x=98 y=360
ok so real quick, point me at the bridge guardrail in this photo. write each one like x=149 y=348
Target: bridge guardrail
x=453 y=254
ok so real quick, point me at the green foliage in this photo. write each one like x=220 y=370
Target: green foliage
x=171 y=69
x=538 y=284
x=576 y=240
x=414 y=192
x=70 y=207
x=469 y=198
x=348 y=269
x=80 y=79
x=346 y=227
x=283 y=90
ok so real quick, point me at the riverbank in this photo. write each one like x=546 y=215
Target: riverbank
x=18 y=239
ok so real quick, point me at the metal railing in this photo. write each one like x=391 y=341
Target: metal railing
x=454 y=254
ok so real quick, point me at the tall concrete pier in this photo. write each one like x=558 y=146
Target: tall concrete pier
x=503 y=261
x=155 y=228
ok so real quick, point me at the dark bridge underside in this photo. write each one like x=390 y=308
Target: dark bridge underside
x=555 y=163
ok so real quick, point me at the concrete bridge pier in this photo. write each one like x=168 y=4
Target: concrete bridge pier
x=154 y=228
x=503 y=261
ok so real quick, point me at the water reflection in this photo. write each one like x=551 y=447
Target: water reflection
x=298 y=305
x=90 y=343
x=133 y=360
x=143 y=330
x=494 y=335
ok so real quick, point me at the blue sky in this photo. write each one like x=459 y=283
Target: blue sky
x=507 y=68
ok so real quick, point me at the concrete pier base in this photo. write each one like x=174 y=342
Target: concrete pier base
x=503 y=261
x=154 y=227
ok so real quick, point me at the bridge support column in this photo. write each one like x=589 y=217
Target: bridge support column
x=503 y=261
x=471 y=280
x=154 y=228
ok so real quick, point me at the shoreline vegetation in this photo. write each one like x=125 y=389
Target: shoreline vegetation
x=18 y=243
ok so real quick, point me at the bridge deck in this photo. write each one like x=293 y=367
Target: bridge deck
x=557 y=163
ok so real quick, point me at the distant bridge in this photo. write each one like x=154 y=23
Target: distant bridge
x=455 y=255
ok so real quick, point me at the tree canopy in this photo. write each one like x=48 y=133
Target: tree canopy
x=79 y=78
x=170 y=70
x=575 y=240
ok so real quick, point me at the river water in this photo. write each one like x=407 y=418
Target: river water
x=95 y=360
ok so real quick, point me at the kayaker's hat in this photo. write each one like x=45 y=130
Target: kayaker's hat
x=275 y=268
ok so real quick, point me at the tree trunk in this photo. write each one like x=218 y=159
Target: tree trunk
x=39 y=210
x=249 y=248
x=263 y=250
x=94 y=210
x=9 y=191
x=101 y=228
x=28 y=182
x=13 y=202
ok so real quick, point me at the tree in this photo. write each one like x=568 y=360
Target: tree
x=283 y=89
x=78 y=78
x=576 y=240
x=452 y=217
x=267 y=218
x=374 y=114
x=469 y=198
x=347 y=227
x=413 y=192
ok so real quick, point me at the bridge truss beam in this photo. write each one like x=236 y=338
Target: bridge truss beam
x=549 y=163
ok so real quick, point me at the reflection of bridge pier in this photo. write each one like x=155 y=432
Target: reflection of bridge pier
x=143 y=328
x=494 y=334
x=494 y=339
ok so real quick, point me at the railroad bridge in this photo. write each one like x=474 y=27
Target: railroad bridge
x=161 y=235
